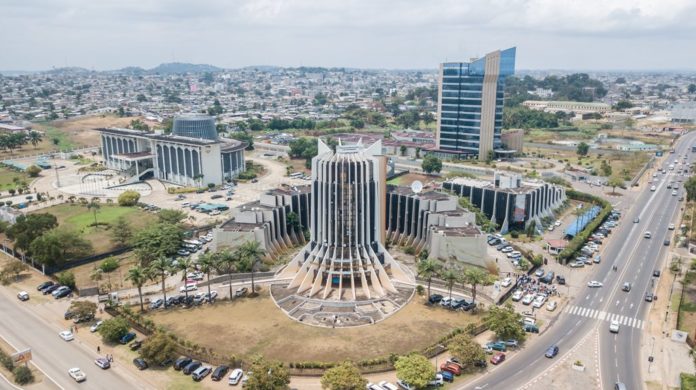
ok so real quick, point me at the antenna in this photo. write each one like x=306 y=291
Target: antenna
x=416 y=187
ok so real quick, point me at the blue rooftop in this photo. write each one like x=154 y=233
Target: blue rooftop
x=582 y=221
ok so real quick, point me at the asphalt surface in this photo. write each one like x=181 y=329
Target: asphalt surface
x=22 y=328
x=636 y=259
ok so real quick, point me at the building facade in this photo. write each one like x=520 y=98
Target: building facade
x=508 y=201
x=470 y=105
x=192 y=155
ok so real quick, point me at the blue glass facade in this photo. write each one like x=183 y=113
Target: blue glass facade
x=463 y=100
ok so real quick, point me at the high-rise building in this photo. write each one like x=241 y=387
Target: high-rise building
x=470 y=105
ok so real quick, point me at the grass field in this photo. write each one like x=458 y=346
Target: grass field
x=407 y=179
x=687 y=317
x=7 y=177
x=245 y=327
x=77 y=217
x=625 y=165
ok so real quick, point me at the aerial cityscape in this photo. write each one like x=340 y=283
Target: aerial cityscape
x=348 y=195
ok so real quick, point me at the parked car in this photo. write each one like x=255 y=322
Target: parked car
x=551 y=306
x=235 y=376
x=240 y=292
x=435 y=298
x=560 y=279
x=50 y=289
x=539 y=301
x=656 y=273
x=387 y=385
x=530 y=328
x=497 y=346
x=95 y=327
x=445 y=302
x=127 y=338
x=44 y=285
x=61 y=292
x=517 y=295
x=539 y=272
x=77 y=374
x=140 y=363
x=23 y=296
x=528 y=299
x=135 y=345
x=551 y=352
x=188 y=287
x=200 y=373
x=182 y=362
x=451 y=367
x=506 y=282
x=577 y=264
x=102 y=363
x=219 y=373
x=191 y=367
x=498 y=358
x=156 y=303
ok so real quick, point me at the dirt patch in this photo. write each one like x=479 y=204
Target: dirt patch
x=256 y=326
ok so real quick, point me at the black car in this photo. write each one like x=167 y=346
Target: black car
x=50 y=289
x=180 y=299
x=560 y=279
x=656 y=273
x=435 y=298
x=551 y=352
x=666 y=242
x=135 y=345
x=63 y=293
x=172 y=301
x=182 y=362
x=68 y=315
x=218 y=196
x=44 y=285
x=480 y=363
x=220 y=373
x=166 y=362
x=140 y=363
x=191 y=367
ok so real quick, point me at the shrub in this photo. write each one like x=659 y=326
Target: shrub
x=420 y=289
x=67 y=278
x=514 y=234
x=6 y=361
x=33 y=171
x=128 y=198
x=112 y=330
x=23 y=375
x=108 y=265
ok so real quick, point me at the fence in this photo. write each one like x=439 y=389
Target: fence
x=441 y=284
x=642 y=171
x=49 y=270
x=240 y=276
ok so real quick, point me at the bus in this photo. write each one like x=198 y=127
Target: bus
x=296 y=175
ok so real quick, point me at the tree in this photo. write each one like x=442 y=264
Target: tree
x=121 y=232
x=475 y=276
x=113 y=329
x=23 y=375
x=583 y=149
x=29 y=227
x=34 y=138
x=96 y=276
x=267 y=375
x=414 y=369
x=431 y=164
x=428 y=268
x=137 y=124
x=450 y=277
x=138 y=275
x=171 y=216
x=226 y=263
x=691 y=88
x=128 y=198
x=33 y=171
x=83 y=309
x=185 y=264
x=614 y=182
x=402 y=150
x=505 y=322
x=250 y=254
x=158 y=348
x=159 y=268
x=66 y=278
x=94 y=206
x=344 y=376
x=59 y=245
x=605 y=168
x=157 y=240
x=466 y=349
x=14 y=268
x=207 y=263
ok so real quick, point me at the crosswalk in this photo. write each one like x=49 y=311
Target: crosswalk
x=604 y=316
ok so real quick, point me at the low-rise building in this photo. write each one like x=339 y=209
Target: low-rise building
x=567 y=106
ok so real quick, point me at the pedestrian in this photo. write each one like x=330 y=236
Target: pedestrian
x=98 y=349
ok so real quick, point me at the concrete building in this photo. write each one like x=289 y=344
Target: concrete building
x=567 y=106
x=470 y=108
x=684 y=113
x=192 y=155
x=508 y=200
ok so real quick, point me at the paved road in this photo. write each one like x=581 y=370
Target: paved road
x=22 y=328
x=636 y=259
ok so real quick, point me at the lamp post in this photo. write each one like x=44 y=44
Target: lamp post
x=652 y=352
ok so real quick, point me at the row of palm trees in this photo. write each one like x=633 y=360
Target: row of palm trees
x=474 y=276
x=245 y=258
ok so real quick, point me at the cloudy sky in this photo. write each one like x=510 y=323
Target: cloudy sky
x=558 y=34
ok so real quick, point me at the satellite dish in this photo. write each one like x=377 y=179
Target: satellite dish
x=416 y=187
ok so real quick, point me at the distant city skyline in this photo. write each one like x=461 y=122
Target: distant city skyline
x=564 y=35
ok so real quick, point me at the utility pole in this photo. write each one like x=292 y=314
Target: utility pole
x=55 y=166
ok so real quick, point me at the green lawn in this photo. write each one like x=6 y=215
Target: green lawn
x=688 y=381
x=77 y=217
x=7 y=176
x=60 y=139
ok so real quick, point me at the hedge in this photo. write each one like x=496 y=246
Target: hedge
x=579 y=240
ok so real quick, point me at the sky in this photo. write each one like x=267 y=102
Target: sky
x=406 y=34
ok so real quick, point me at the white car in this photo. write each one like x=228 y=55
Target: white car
x=95 y=327
x=577 y=264
x=557 y=223
x=647 y=235
x=517 y=295
x=653 y=188
x=674 y=193
x=551 y=306
x=388 y=385
x=551 y=228
x=528 y=299
x=507 y=249
x=236 y=376
x=614 y=326
x=77 y=374
x=215 y=212
x=446 y=301
x=66 y=335
x=188 y=287
x=194 y=275
x=506 y=282
x=23 y=296
x=102 y=363
x=671 y=226
x=539 y=301
x=594 y=283
x=514 y=254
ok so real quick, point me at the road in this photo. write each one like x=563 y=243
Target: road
x=636 y=259
x=22 y=328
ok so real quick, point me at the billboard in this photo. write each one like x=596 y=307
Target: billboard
x=21 y=357
x=519 y=211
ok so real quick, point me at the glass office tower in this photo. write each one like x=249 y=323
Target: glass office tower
x=470 y=105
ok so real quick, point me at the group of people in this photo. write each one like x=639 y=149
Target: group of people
x=530 y=285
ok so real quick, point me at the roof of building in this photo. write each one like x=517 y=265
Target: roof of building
x=523 y=189
x=226 y=144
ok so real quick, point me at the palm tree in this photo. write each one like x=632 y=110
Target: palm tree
x=34 y=138
x=450 y=277
x=159 y=268
x=184 y=264
x=207 y=263
x=138 y=276
x=96 y=275
x=94 y=206
x=428 y=268
x=475 y=276
x=226 y=264
x=251 y=254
